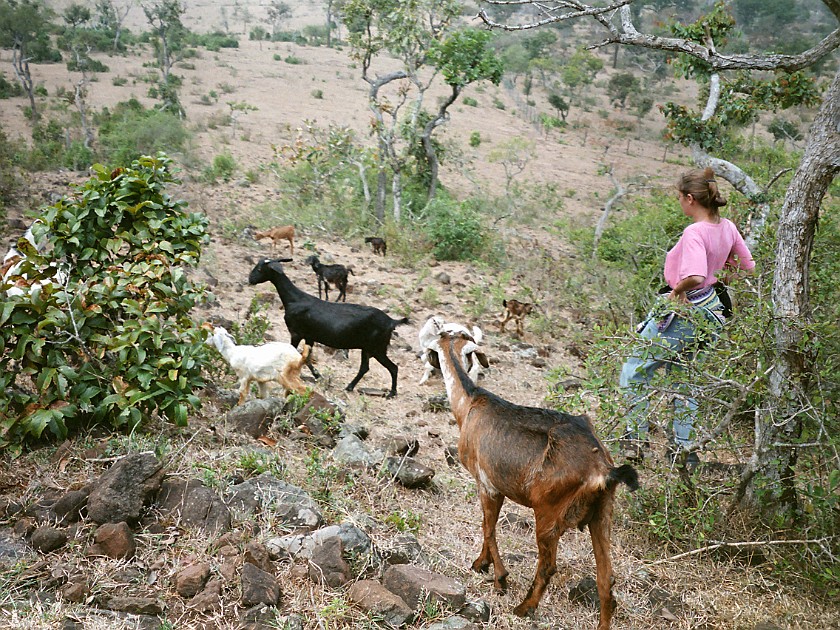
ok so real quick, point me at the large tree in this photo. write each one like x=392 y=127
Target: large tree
x=770 y=471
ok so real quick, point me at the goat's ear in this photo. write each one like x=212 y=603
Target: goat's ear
x=433 y=359
x=482 y=359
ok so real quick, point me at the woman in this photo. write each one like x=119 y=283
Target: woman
x=691 y=315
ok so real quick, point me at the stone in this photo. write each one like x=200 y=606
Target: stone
x=114 y=540
x=68 y=508
x=585 y=593
x=288 y=504
x=403 y=446
x=254 y=416
x=450 y=454
x=194 y=505
x=327 y=564
x=257 y=554
x=258 y=587
x=120 y=493
x=409 y=472
x=354 y=453
x=410 y=582
x=190 y=581
x=406 y=549
x=209 y=599
x=12 y=548
x=375 y=599
x=455 y=622
x=46 y=539
x=478 y=611
x=75 y=590
x=133 y=605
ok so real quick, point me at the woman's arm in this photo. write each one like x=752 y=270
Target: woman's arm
x=686 y=284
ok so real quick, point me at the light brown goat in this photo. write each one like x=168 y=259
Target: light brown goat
x=515 y=310
x=540 y=458
x=279 y=233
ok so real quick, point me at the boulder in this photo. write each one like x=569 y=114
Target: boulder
x=410 y=582
x=120 y=493
x=375 y=599
x=195 y=505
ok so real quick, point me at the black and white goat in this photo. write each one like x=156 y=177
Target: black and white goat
x=343 y=326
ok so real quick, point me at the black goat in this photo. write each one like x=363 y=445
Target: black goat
x=337 y=274
x=344 y=326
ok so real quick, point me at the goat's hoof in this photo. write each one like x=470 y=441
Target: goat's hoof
x=500 y=585
x=480 y=567
x=524 y=611
x=391 y=395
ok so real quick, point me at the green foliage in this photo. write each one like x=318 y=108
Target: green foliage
x=9 y=177
x=469 y=101
x=213 y=42
x=113 y=343
x=252 y=332
x=292 y=60
x=620 y=86
x=224 y=168
x=464 y=57
x=130 y=130
x=455 y=230
x=317 y=94
x=9 y=89
x=475 y=139
x=783 y=129
x=26 y=25
x=405 y=521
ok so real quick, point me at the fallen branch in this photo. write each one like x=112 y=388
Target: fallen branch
x=738 y=545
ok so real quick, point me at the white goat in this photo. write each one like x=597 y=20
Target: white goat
x=430 y=333
x=276 y=362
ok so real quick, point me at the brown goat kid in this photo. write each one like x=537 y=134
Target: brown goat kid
x=280 y=233
x=515 y=310
x=540 y=458
x=379 y=245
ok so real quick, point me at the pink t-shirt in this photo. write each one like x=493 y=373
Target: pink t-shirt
x=704 y=249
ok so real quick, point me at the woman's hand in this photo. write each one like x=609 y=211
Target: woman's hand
x=686 y=284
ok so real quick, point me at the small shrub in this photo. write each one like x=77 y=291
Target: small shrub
x=119 y=81
x=469 y=101
x=291 y=59
x=224 y=166
x=278 y=57
x=41 y=90
x=456 y=231
x=475 y=139
x=498 y=103
x=9 y=89
x=317 y=94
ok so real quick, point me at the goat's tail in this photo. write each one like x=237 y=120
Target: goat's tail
x=625 y=474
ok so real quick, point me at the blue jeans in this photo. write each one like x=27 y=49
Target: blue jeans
x=670 y=348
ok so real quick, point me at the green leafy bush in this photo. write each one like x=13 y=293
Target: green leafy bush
x=113 y=343
x=224 y=166
x=9 y=89
x=475 y=139
x=469 y=101
x=455 y=231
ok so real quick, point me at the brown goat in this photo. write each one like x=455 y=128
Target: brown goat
x=279 y=233
x=515 y=310
x=379 y=245
x=540 y=458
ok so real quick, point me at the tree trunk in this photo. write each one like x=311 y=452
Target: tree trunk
x=769 y=480
x=381 y=193
x=21 y=66
x=397 y=192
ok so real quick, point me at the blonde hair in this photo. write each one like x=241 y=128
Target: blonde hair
x=701 y=185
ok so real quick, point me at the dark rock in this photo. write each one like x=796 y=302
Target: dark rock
x=11 y=546
x=254 y=417
x=195 y=505
x=121 y=492
x=378 y=601
x=665 y=605
x=403 y=446
x=114 y=540
x=75 y=590
x=257 y=554
x=405 y=550
x=354 y=453
x=209 y=599
x=258 y=587
x=409 y=472
x=289 y=504
x=68 y=508
x=71 y=624
x=133 y=605
x=46 y=539
x=767 y=625
x=450 y=454
x=190 y=580
x=410 y=582
x=327 y=564
x=25 y=527
x=478 y=611
x=516 y=522
x=585 y=593
x=260 y=614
